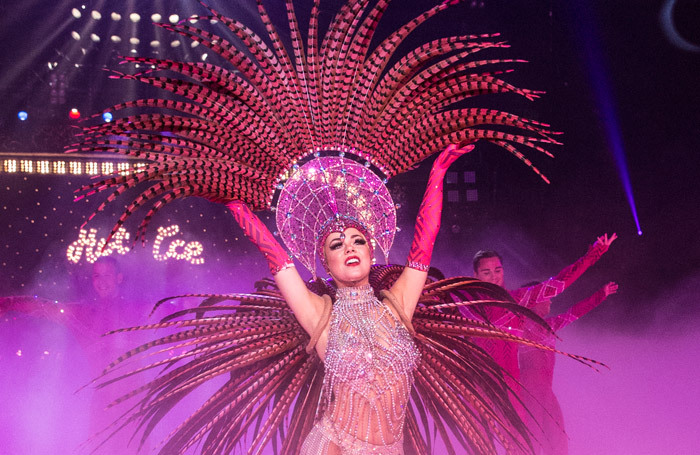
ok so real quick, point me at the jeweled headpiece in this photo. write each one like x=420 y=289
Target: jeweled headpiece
x=329 y=194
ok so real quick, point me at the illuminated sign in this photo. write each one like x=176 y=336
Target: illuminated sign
x=63 y=167
x=178 y=249
x=89 y=247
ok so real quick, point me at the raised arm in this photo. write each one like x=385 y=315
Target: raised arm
x=583 y=307
x=306 y=306
x=556 y=285
x=409 y=285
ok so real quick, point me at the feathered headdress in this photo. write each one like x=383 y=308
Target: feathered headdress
x=236 y=133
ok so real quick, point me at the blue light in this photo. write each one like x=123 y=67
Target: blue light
x=22 y=115
x=607 y=105
x=107 y=117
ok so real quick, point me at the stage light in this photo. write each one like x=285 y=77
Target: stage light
x=116 y=39
x=95 y=37
x=135 y=41
x=155 y=17
x=22 y=115
x=76 y=13
x=175 y=43
x=59 y=167
x=96 y=15
x=204 y=57
x=155 y=43
x=107 y=168
x=135 y=17
x=174 y=18
x=116 y=16
x=107 y=117
x=74 y=113
x=607 y=106
x=43 y=167
x=76 y=167
x=26 y=166
x=10 y=166
x=91 y=168
x=75 y=35
x=123 y=168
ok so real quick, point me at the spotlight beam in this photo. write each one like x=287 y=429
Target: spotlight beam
x=605 y=101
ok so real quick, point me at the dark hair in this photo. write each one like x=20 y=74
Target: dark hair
x=108 y=260
x=484 y=254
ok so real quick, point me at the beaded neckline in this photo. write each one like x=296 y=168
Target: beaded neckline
x=355 y=292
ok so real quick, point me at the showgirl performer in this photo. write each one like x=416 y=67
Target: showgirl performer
x=488 y=267
x=537 y=373
x=377 y=360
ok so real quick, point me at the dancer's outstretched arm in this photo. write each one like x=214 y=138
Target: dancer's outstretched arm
x=530 y=296
x=583 y=307
x=409 y=285
x=306 y=306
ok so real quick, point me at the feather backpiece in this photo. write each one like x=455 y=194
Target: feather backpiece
x=272 y=386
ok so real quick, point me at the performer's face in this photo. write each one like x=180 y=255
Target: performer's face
x=106 y=280
x=490 y=270
x=348 y=257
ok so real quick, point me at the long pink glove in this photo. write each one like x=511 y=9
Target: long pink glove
x=260 y=235
x=428 y=221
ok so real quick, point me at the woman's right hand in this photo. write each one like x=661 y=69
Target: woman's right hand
x=260 y=235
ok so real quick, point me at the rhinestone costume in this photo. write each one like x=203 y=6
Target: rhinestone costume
x=233 y=132
x=369 y=367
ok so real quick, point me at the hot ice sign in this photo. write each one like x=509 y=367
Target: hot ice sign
x=88 y=246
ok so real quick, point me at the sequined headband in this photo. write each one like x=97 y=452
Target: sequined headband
x=329 y=194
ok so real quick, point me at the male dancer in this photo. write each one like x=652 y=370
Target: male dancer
x=488 y=267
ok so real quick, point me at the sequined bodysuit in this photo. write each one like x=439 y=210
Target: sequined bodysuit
x=370 y=359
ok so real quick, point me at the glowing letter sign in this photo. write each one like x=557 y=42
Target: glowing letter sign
x=178 y=249
x=89 y=247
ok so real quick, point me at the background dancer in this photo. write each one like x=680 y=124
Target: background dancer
x=488 y=267
x=545 y=418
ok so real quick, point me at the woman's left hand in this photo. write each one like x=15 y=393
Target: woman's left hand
x=450 y=155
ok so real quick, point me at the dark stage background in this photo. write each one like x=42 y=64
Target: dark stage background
x=622 y=85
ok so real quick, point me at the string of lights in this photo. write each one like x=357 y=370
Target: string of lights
x=24 y=163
